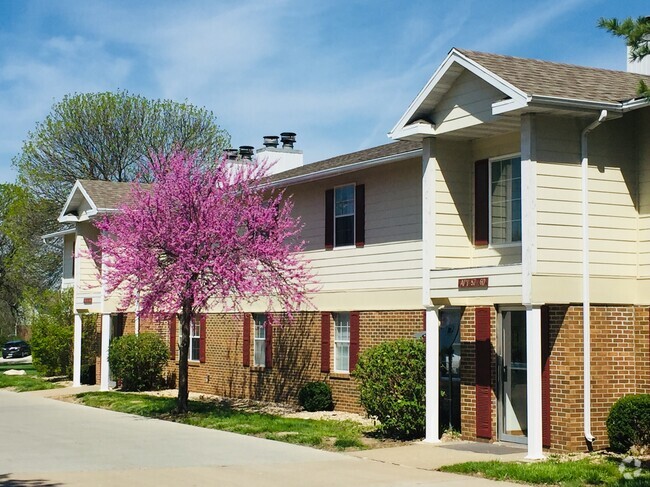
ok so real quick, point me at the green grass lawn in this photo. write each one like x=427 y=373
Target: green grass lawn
x=326 y=434
x=24 y=383
x=594 y=470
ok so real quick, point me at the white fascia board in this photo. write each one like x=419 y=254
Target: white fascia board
x=60 y=233
x=456 y=57
x=77 y=186
x=509 y=105
x=416 y=130
x=573 y=104
x=635 y=104
x=335 y=171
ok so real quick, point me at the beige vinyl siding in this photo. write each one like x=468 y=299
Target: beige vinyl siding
x=467 y=103
x=87 y=276
x=391 y=260
x=454 y=204
x=612 y=194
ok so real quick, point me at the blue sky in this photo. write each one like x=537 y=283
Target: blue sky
x=339 y=73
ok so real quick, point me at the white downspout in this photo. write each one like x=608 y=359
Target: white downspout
x=586 y=314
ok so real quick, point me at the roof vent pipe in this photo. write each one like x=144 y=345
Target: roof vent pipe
x=586 y=304
x=246 y=152
x=288 y=139
x=231 y=154
x=271 y=141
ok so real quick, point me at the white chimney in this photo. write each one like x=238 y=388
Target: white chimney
x=285 y=157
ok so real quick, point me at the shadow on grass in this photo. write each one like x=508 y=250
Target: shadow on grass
x=7 y=481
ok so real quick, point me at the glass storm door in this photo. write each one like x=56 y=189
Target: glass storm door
x=513 y=424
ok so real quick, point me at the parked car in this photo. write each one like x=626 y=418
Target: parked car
x=16 y=348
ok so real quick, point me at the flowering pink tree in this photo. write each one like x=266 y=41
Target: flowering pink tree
x=200 y=237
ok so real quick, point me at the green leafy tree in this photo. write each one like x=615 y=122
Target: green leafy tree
x=637 y=37
x=52 y=334
x=111 y=137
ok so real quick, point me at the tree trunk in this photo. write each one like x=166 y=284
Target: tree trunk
x=183 y=390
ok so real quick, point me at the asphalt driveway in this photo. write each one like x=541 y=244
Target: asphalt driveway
x=48 y=443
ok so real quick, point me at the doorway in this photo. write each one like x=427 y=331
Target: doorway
x=513 y=413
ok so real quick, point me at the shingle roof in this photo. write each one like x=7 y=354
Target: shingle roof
x=107 y=194
x=535 y=77
x=373 y=153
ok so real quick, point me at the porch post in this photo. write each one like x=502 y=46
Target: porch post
x=76 y=353
x=432 y=381
x=106 y=336
x=534 y=379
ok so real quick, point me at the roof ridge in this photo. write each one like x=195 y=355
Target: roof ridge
x=470 y=52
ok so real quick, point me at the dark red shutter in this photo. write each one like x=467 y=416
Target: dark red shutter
x=268 y=352
x=481 y=203
x=329 y=219
x=354 y=340
x=483 y=374
x=202 y=321
x=546 y=378
x=360 y=215
x=246 y=342
x=172 y=337
x=325 y=329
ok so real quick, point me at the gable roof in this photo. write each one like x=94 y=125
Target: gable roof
x=526 y=84
x=104 y=196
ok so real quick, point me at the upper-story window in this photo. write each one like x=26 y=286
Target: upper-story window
x=505 y=200
x=344 y=215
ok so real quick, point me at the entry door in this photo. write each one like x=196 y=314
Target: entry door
x=513 y=424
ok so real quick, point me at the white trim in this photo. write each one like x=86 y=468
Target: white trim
x=428 y=216
x=336 y=171
x=76 y=352
x=432 y=379
x=60 y=233
x=534 y=382
x=454 y=56
x=104 y=367
x=68 y=218
x=528 y=205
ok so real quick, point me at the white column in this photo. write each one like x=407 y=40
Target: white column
x=534 y=379
x=432 y=394
x=528 y=206
x=106 y=337
x=76 y=354
x=428 y=215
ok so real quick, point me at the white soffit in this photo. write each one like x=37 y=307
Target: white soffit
x=439 y=84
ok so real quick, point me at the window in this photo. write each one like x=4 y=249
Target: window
x=259 y=343
x=342 y=342
x=344 y=215
x=195 y=340
x=505 y=201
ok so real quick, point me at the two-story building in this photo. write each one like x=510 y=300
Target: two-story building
x=516 y=197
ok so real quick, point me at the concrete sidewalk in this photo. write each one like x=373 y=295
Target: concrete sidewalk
x=432 y=456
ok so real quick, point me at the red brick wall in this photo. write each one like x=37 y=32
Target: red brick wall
x=296 y=356
x=620 y=365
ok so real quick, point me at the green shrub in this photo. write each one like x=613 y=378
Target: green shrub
x=316 y=396
x=628 y=423
x=137 y=361
x=52 y=334
x=392 y=386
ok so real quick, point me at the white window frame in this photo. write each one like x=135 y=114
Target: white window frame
x=341 y=320
x=195 y=333
x=353 y=214
x=259 y=325
x=508 y=243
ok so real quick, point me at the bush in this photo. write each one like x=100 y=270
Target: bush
x=392 y=386
x=52 y=334
x=137 y=361
x=628 y=423
x=316 y=396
